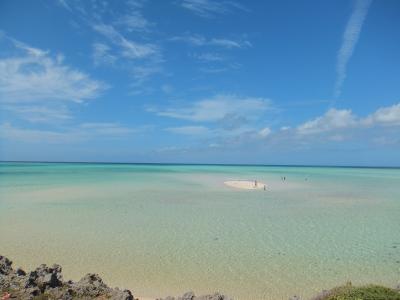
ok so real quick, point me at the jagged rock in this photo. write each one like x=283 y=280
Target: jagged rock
x=117 y=294
x=215 y=296
x=90 y=285
x=5 y=265
x=188 y=296
x=47 y=282
x=20 y=272
x=46 y=277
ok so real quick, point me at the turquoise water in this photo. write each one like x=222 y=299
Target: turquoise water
x=165 y=229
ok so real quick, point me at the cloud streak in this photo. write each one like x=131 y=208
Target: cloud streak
x=73 y=134
x=217 y=108
x=349 y=42
x=211 y=8
x=129 y=49
x=200 y=41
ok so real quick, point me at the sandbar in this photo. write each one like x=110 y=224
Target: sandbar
x=245 y=184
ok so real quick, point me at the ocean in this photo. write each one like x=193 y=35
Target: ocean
x=165 y=229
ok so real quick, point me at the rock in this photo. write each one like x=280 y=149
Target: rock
x=30 y=279
x=188 y=296
x=91 y=285
x=5 y=265
x=20 y=272
x=49 y=277
x=47 y=283
x=121 y=295
x=215 y=296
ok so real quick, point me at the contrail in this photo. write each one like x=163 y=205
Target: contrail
x=350 y=38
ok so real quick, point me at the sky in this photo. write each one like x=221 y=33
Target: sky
x=201 y=81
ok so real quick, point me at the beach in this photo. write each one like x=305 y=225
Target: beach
x=166 y=229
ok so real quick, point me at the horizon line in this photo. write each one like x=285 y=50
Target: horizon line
x=200 y=164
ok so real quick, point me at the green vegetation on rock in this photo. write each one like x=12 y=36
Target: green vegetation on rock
x=367 y=292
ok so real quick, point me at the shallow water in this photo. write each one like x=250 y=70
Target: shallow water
x=165 y=229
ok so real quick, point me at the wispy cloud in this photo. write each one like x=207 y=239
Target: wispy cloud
x=189 y=130
x=199 y=40
x=217 y=108
x=265 y=132
x=72 y=134
x=211 y=8
x=64 y=4
x=141 y=60
x=102 y=54
x=349 y=41
x=208 y=57
x=128 y=48
x=40 y=113
x=39 y=87
x=35 y=75
x=134 y=21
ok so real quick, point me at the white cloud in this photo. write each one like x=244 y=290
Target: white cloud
x=36 y=76
x=387 y=116
x=210 y=8
x=229 y=43
x=189 y=130
x=265 y=132
x=37 y=86
x=336 y=120
x=350 y=38
x=331 y=120
x=218 y=107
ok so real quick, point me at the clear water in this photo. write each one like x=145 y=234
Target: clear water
x=164 y=229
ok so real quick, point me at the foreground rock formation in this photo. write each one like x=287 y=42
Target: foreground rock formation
x=46 y=283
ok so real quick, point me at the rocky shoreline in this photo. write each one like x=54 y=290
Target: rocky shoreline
x=47 y=283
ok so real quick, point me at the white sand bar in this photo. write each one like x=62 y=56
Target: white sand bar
x=245 y=184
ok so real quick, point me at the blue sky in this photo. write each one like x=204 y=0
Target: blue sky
x=202 y=81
